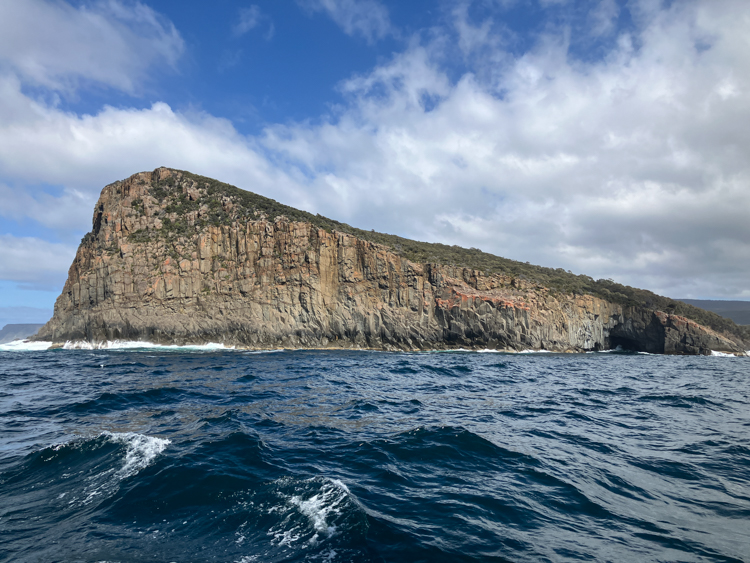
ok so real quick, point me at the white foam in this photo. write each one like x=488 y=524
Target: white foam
x=618 y=349
x=722 y=354
x=534 y=352
x=453 y=350
x=287 y=537
x=24 y=346
x=138 y=345
x=319 y=510
x=140 y=453
x=319 y=507
x=142 y=450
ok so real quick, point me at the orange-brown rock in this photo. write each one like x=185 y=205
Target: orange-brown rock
x=172 y=260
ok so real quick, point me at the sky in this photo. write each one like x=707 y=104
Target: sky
x=606 y=137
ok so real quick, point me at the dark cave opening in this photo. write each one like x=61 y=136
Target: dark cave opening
x=629 y=344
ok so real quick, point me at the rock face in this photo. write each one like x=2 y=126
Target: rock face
x=172 y=260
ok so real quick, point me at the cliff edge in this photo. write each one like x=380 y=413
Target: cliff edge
x=178 y=258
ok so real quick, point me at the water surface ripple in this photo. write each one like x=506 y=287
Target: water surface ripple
x=154 y=455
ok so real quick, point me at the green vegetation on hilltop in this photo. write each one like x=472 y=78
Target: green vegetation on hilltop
x=252 y=206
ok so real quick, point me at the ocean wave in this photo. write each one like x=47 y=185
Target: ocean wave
x=25 y=346
x=140 y=450
x=481 y=351
x=139 y=345
x=111 y=402
x=314 y=511
x=321 y=506
x=610 y=351
x=718 y=354
x=32 y=346
x=103 y=477
x=550 y=457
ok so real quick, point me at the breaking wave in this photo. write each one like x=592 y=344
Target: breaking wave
x=25 y=346
x=141 y=345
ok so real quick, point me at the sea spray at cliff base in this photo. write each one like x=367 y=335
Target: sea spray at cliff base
x=37 y=346
x=231 y=455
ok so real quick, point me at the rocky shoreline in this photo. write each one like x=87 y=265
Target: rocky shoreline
x=171 y=260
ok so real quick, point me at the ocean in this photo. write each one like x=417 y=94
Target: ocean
x=193 y=455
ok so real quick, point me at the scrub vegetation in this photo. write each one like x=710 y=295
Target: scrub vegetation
x=219 y=196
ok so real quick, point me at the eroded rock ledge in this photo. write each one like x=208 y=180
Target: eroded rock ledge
x=171 y=260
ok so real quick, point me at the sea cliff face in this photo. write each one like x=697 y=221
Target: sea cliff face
x=171 y=259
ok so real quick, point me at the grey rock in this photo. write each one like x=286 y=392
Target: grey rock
x=162 y=270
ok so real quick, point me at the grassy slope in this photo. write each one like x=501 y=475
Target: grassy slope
x=557 y=280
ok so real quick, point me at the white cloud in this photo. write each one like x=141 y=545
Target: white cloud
x=603 y=17
x=40 y=144
x=21 y=315
x=36 y=263
x=473 y=37
x=368 y=18
x=70 y=211
x=622 y=167
x=250 y=18
x=55 y=45
x=635 y=167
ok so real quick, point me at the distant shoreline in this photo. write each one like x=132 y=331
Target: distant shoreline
x=737 y=311
x=18 y=331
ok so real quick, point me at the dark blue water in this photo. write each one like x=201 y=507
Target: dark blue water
x=362 y=456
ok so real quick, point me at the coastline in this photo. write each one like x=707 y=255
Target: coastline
x=39 y=346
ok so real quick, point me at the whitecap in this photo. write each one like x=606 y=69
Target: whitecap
x=319 y=507
x=535 y=352
x=461 y=350
x=141 y=450
x=141 y=345
x=617 y=349
x=722 y=354
x=25 y=346
x=322 y=511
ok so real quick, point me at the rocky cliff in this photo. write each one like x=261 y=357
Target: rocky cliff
x=177 y=258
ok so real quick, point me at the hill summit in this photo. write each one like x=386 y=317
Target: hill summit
x=178 y=258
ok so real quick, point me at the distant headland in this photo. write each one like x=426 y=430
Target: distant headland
x=11 y=332
x=177 y=258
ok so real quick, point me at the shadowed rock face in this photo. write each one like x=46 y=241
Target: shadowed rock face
x=172 y=260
